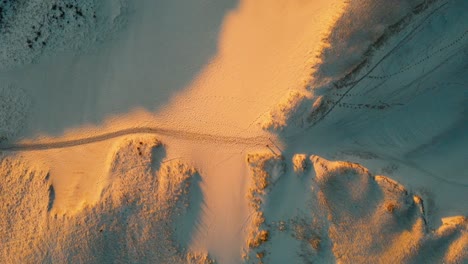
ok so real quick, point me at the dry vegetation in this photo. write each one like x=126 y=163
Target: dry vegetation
x=300 y=163
x=265 y=169
x=32 y=29
x=280 y=116
x=356 y=217
x=133 y=222
x=376 y=220
x=199 y=258
x=24 y=194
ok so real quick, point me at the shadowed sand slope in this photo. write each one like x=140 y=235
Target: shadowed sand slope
x=340 y=212
x=102 y=59
x=401 y=106
x=185 y=134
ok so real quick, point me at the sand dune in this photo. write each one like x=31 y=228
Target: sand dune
x=340 y=212
x=233 y=132
x=140 y=200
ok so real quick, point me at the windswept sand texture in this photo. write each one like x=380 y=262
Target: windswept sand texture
x=233 y=131
x=373 y=219
x=345 y=214
x=132 y=221
x=400 y=108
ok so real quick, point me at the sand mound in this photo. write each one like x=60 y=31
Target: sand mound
x=340 y=212
x=133 y=222
x=375 y=63
x=385 y=88
x=25 y=201
x=300 y=163
x=265 y=169
x=376 y=220
x=363 y=23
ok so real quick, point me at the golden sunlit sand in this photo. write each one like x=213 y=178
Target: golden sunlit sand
x=257 y=131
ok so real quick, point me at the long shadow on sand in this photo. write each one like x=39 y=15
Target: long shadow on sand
x=163 y=48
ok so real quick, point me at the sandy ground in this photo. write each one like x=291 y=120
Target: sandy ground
x=202 y=77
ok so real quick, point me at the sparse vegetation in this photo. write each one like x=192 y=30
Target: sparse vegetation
x=315 y=243
x=260 y=255
x=390 y=207
x=280 y=116
x=265 y=168
x=199 y=258
x=30 y=29
x=258 y=238
x=299 y=163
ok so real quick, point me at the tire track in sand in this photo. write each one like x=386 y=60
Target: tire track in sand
x=173 y=133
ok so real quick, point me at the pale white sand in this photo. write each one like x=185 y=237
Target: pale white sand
x=144 y=133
